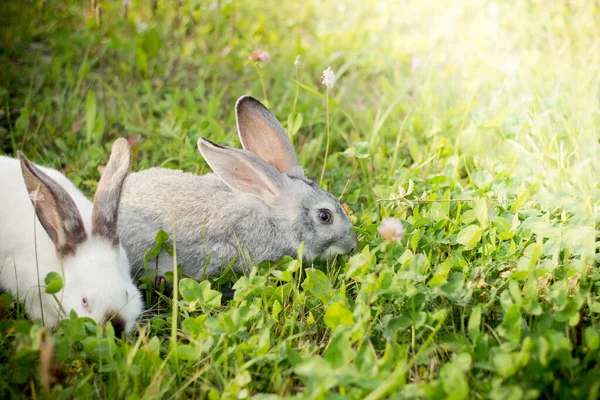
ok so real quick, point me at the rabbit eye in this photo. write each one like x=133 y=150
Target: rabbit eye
x=325 y=216
x=85 y=303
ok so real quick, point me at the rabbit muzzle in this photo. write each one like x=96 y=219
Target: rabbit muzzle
x=346 y=245
x=117 y=321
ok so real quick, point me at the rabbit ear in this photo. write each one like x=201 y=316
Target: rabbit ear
x=55 y=209
x=242 y=170
x=108 y=194
x=262 y=134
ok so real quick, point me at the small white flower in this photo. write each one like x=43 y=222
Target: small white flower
x=328 y=78
x=493 y=9
x=511 y=66
x=141 y=27
x=297 y=60
x=126 y=3
x=391 y=229
x=416 y=64
x=36 y=196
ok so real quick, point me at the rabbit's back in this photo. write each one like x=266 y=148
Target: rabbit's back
x=203 y=211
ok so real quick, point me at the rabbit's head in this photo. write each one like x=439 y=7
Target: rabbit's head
x=268 y=170
x=96 y=277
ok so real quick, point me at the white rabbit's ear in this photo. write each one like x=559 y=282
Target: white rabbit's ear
x=262 y=134
x=55 y=209
x=241 y=170
x=108 y=194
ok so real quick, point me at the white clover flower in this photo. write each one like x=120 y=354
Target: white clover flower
x=391 y=229
x=297 y=60
x=511 y=66
x=416 y=64
x=264 y=56
x=493 y=9
x=141 y=27
x=328 y=78
x=260 y=56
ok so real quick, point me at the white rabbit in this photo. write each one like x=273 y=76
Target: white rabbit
x=257 y=205
x=47 y=225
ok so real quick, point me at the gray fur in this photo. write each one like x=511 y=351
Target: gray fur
x=218 y=218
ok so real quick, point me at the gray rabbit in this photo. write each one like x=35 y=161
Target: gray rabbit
x=257 y=205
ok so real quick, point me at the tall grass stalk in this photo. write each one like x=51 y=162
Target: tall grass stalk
x=296 y=65
x=328 y=136
x=37 y=266
x=175 y=301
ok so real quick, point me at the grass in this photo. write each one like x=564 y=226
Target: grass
x=474 y=123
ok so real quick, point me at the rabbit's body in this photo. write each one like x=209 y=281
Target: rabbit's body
x=154 y=198
x=93 y=268
x=248 y=211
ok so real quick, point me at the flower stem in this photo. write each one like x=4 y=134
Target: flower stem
x=297 y=90
x=262 y=83
x=327 y=145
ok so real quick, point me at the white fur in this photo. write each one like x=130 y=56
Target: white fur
x=97 y=271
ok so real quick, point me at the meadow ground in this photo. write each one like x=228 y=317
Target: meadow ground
x=473 y=122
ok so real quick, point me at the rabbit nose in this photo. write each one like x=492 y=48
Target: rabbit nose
x=117 y=321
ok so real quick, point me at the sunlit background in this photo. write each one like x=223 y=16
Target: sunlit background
x=514 y=85
x=510 y=88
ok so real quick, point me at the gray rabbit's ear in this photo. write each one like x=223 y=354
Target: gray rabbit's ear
x=108 y=194
x=242 y=170
x=262 y=134
x=54 y=208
